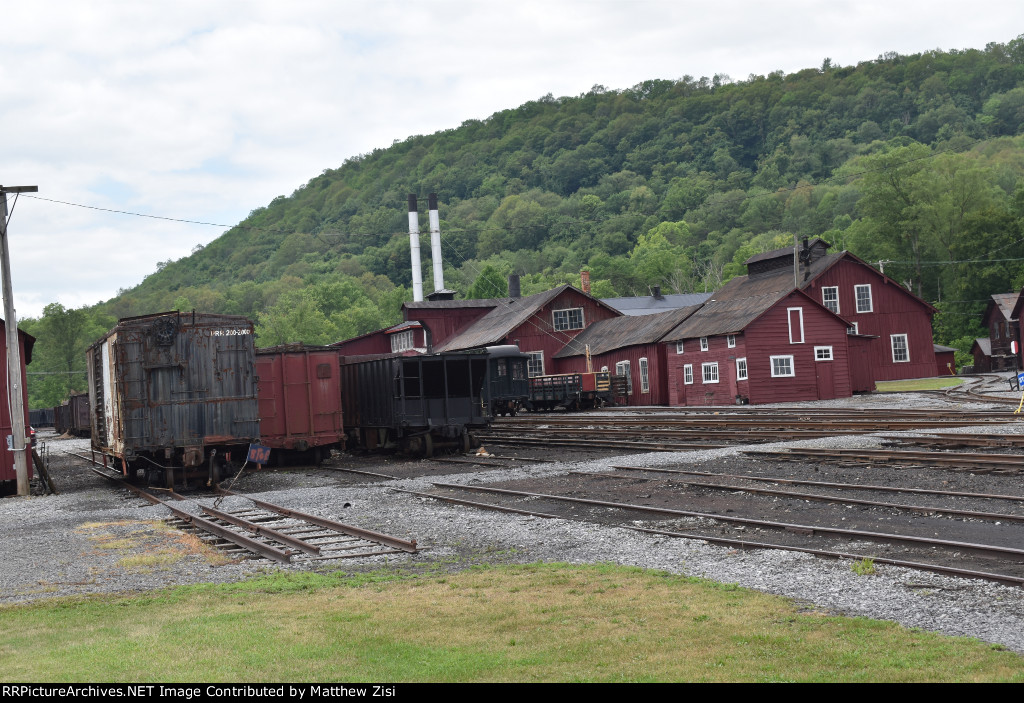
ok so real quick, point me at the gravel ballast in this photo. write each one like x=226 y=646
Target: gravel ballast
x=81 y=542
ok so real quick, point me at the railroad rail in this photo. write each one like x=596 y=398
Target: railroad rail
x=1003 y=552
x=273 y=531
x=951 y=461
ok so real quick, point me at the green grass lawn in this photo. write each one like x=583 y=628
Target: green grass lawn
x=917 y=384
x=511 y=623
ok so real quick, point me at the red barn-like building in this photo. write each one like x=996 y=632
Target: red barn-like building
x=628 y=346
x=872 y=303
x=540 y=325
x=750 y=344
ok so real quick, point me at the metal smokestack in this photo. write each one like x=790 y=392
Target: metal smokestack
x=435 y=242
x=414 y=250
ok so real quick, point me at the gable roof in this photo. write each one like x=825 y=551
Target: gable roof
x=1006 y=302
x=626 y=331
x=507 y=315
x=984 y=344
x=819 y=262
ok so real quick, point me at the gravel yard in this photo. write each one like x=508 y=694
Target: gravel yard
x=94 y=538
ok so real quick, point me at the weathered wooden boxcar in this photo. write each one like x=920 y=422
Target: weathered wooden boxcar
x=299 y=390
x=72 y=416
x=174 y=394
x=415 y=403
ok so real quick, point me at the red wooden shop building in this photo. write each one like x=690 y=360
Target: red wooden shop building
x=874 y=305
x=627 y=346
x=540 y=325
x=749 y=345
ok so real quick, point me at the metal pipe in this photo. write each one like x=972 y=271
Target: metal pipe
x=414 y=250
x=435 y=242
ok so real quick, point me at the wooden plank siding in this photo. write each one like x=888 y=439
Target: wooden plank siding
x=538 y=333
x=657 y=393
x=445 y=322
x=700 y=393
x=767 y=336
x=894 y=311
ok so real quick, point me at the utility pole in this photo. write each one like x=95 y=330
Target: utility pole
x=14 y=389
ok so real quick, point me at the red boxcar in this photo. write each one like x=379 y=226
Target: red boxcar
x=299 y=392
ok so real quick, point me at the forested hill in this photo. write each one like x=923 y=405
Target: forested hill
x=914 y=160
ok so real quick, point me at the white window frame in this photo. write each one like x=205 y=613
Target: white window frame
x=741 y=369
x=688 y=375
x=792 y=368
x=906 y=348
x=789 y=319
x=401 y=341
x=709 y=372
x=564 y=320
x=870 y=301
x=679 y=347
x=622 y=369
x=536 y=357
x=645 y=379
x=855 y=329
x=835 y=300
x=730 y=341
x=823 y=354
x=704 y=346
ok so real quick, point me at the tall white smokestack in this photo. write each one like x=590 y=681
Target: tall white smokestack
x=435 y=242
x=414 y=250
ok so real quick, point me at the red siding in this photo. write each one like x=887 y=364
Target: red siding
x=445 y=322
x=767 y=336
x=895 y=311
x=538 y=333
x=657 y=393
x=813 y=380
x=7 y=470
x=946 y=363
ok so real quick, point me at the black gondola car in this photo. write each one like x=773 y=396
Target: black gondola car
x=72 y=416
x=415 y=403
x=507 y=379
x=174 y=394
x=41 y=418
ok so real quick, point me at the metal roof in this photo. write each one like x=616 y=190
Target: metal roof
x=1005 y=302
x=619 y=332
x=650 y=305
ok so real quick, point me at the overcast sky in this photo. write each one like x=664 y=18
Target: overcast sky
x=208 y=110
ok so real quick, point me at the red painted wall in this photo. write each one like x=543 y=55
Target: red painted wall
x=657 y=393
x=444 y=322
x=895 y=311
x=538 y=333
x=7 y=471
x=763 y=338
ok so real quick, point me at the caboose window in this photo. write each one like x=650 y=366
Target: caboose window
x=571 y=319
